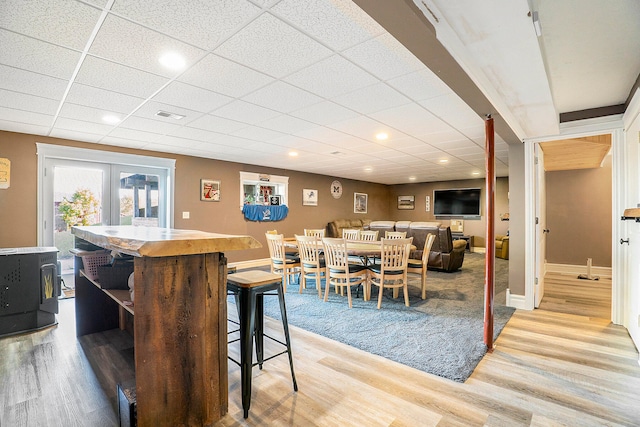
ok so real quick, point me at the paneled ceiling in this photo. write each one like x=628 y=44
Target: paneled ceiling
x=301 y=85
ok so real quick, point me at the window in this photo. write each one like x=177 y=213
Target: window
x=258 y=189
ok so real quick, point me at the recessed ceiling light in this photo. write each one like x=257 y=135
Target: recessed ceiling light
x=444 y=160
x=170 y=115
x=412 y=178
x=172 y=61
x=293 y=153
x=382 y=136
x=368 y=169
x=111 y=119
x=475 y=173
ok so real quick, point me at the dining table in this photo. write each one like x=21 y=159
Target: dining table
x=362 y=248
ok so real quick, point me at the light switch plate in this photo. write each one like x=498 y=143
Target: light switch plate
x=185 y=215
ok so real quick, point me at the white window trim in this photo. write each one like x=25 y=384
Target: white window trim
x=45 y=151
x=254 y=178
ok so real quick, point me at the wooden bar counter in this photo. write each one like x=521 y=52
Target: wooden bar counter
x=180 y=321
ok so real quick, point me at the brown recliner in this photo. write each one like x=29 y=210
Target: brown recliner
x=446 y=254
x=335 y=227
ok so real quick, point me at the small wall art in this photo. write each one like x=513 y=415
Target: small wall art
x=360 y=203
x=309 y=197
x=427 y=203
x=209 y=190
x=406 y=202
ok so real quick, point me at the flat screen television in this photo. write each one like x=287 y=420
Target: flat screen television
x=460 y=202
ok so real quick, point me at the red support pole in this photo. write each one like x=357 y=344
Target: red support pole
x=489 y=267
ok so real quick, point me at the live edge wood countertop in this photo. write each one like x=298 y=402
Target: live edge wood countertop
x=162 y=242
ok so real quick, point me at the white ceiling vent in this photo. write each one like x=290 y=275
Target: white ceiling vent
x=170 y=115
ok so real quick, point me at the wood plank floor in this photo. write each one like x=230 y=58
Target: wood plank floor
x=566 y=293
x=548 y=369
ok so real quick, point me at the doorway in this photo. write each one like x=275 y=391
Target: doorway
x=578 y=193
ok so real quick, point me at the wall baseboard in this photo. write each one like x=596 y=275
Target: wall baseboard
x=515 y=301
x=578 y=269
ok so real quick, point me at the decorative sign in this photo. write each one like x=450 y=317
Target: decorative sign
x=336 y=189
x=274 y=200
x=406 y=202
x=5 y=173
x=209 y=190
x=264 y=177
x=309 y=197
x=428 y=203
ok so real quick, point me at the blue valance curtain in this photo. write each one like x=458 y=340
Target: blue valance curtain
x=265 y=213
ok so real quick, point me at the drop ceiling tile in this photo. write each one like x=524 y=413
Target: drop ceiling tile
x=223 y=76
x=10 y=126
x=81 y=126
x=193 y=134
x=122 y=142
x=465 y=151
x=150 y=125
x=105 y=100
x=288 y=124
x=283 y=97
x=118 y=78
x=149 y=110
x=242 y=111
x=440 y=137
x=324 y=112
x=323 y=133
x=338 y=24
x=451 y=109
x=216 y=124
x=257 y=133
x=384 y=57
x=144 y=47
x=75 y=135
x=372 y=98
x=362 y=127
x=420 y=85
x=74 y=21
x=271 y=46
x=180 y=142
x=411 y=119
x=31 y=83
x=201 y=23
x=460 y=143
x=331 y=77
x=290 y=141
x=135 y=135
x=37 y=56
x=404 y=143
x=26 y=117
x=25 y=102
x=194 y=98
x=85 y=114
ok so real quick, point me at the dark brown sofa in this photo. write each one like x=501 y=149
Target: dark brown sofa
x=446 y=254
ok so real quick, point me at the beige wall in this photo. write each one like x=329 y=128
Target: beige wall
x=18 y=215
x=579 y=216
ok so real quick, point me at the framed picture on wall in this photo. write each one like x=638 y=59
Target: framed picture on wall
x=309 y=197
x=209 y=190
x=275 y=200
x=406 y=202
x=359 y=203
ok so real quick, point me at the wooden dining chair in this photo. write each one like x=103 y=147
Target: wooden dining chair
x=317 y=232
x=419 y=266
x=340 y=273
x=369 y=235
x=351 y=234
x=281 y=262
x=312 y=262
x=391 y=272
x=395 y=234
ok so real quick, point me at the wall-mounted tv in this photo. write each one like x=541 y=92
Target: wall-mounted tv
x=463 y=202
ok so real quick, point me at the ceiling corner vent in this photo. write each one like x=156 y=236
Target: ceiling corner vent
x=170 y=115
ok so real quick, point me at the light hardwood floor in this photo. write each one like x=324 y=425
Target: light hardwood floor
x=565 y=293
x=547 y=369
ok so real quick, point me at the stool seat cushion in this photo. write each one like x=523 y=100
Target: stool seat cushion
x=322 y=264
x=353 y=268
x=377 y=268
x=289 y=260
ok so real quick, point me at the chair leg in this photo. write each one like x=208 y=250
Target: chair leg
x=303 y=281
x=348 y=286
x=326 y=289
x=380 y=292
x=259 y=329
x=285 y=325
x=319 y=283
x=424 y=284
x=405 y=290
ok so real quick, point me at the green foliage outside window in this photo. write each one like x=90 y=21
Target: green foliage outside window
x=81 y=209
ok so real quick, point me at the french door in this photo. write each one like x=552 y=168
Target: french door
x=91 y=187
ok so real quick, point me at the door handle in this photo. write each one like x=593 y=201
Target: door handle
x=624 y=241
x=546 y=230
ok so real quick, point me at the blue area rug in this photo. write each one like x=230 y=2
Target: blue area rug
x=442 y=335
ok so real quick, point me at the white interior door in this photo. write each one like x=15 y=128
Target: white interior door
x=541 y=225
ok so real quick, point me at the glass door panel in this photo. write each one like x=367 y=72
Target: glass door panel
x=139 y=199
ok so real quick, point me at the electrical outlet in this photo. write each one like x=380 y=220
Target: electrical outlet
x=185 y=215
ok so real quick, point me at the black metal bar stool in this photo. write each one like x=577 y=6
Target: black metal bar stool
x=249 y=288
